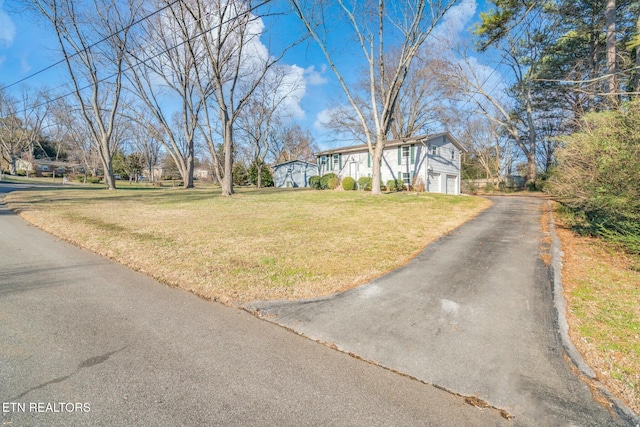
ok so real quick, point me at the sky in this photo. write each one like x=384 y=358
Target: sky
x=27 y=47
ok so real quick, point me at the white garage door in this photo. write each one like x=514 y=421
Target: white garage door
x=451 y=184
x=434 y=183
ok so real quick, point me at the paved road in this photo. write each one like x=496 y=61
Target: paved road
x=77 y=328
x=472 y=314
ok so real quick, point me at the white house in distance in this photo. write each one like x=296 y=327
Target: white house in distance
x=434 y=160
x=294 y=173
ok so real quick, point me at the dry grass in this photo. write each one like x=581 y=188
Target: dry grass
x=269 y=244
x=602 y=288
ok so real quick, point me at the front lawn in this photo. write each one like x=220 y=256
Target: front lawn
x=259 y=244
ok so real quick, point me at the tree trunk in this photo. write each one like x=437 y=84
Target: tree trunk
x=259 y=170
x=376 y=172
x=610 y=16
x=531 y=152
x=188 y=180
x=227 y=180
x=107 y=165
x=12 y=164
x=636 y=83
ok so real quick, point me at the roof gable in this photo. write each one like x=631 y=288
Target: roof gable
x=295 y=161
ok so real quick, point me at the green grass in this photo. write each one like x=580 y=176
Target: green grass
x=259 y=244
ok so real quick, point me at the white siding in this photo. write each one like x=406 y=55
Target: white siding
x=452 y=187
x=293 y=174
x=432 y=164
x=434 y=185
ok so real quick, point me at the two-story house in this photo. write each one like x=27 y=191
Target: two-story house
x=433 y=160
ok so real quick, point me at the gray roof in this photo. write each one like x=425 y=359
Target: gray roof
x=294 y=161
x=395 y=143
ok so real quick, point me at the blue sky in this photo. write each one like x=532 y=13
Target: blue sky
x=26 y=47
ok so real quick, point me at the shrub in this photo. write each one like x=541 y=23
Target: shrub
x=47 y=174
x=333 y=183
x=324 y=181
x=266 y=176
x=21 y=172
x=349 y=184
x=597 y=175
x=364 y=183
x=93 y=179
x=470 y=187
x=395 y=185
x=314 y=182
x=240 y=174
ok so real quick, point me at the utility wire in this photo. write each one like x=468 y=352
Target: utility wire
x=144 y=18
x=49 y=101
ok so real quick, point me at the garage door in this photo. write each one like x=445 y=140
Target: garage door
x=451 y=184
x=434 y=183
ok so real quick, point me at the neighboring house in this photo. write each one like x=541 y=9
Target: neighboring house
x=22 y=164
x=202 y=173
x=41 y=167
x=433 y=160
x=294 y=173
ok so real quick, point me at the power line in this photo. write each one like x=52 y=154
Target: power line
x=140 y=62
x=144 y=18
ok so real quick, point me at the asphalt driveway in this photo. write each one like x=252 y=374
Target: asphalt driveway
x=473 y=314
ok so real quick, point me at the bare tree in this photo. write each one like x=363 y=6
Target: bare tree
x=148 y=139
x=66 y=128
x=291 y=142
x=482 y=137
x=515 y=114
x=266 y=108
x=237 y=64
x=21 y=125
x=421 y=98
x=164 y=65
x=11 y=132
x=389 y=36
x=92 y=37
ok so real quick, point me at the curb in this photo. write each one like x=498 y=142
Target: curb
x=560 y=305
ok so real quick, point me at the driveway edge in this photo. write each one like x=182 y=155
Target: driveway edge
x=572 y=352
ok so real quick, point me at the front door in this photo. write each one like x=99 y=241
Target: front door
x=353 y=170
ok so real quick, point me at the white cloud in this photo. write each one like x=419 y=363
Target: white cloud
x=486 y=77
x=455 y=21
x=292 y=88
x=324 y=117
x=315 y=77
x=24 y=64
x=7 y=28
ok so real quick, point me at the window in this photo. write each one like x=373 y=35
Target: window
x=434 y=150
x=406 y=177
x=453 y=154
x=405 y=151
x=336 y=161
